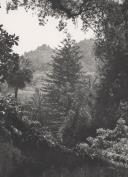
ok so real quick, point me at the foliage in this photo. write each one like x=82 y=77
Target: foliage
x=123 y=110
x=111 y=51
x=79 y=123
x=21 y=76
x=19 y=132
x=89 y=11
x=39 y=146
x=108 y=144
x=35 y=109
x=9 y=111
x=10 y=156
x=8 y=59
x=60 y=84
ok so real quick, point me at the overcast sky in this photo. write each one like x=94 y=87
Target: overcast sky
x=32 y=35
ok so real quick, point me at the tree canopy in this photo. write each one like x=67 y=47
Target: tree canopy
x=21 y=76
x=90 y=11
x=8 y=58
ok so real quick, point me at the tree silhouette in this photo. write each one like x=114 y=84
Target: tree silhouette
x=21 y=76
x=8 y=59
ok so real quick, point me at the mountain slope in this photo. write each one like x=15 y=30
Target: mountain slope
x=40 y=57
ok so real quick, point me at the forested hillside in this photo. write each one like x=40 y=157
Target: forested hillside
x=40 y=57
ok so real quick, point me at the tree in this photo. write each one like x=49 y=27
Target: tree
x=21 y=76
x=79 y=122
x=111 y=51
x=8 y=59
x=61 y=82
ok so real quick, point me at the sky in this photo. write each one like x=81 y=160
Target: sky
x=31 y=34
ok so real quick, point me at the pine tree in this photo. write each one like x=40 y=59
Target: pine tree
x=62 y=80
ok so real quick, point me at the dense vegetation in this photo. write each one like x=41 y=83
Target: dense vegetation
x=92 y=134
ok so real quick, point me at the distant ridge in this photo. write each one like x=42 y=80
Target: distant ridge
x=42 y=56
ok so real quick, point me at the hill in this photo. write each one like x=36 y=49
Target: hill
x=40 y=57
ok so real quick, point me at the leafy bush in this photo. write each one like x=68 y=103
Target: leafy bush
x=10 y=156
x=109 y=144
x=75 y=129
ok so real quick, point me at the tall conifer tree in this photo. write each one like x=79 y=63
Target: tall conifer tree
x=62 y=80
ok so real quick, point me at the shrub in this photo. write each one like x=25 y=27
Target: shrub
x=109 y=144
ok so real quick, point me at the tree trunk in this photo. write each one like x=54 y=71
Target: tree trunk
x=16 y=93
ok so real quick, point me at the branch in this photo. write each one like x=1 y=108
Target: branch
x=59 y=6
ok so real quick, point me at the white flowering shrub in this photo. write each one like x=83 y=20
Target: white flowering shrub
x=110 y=144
